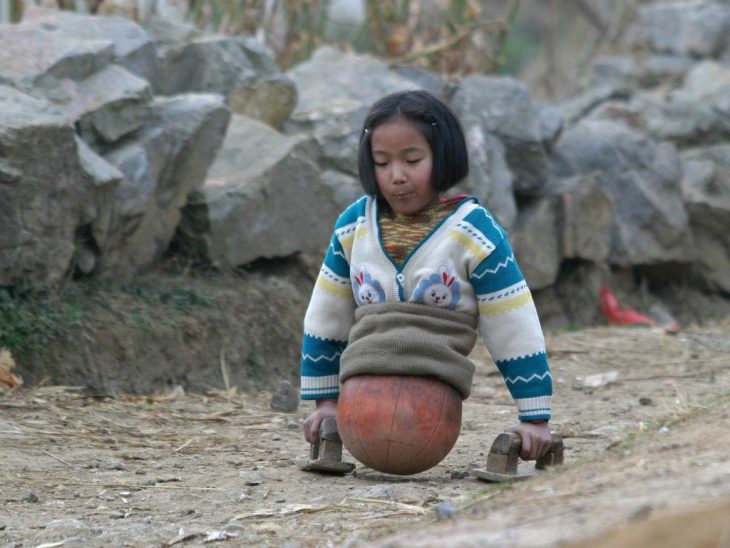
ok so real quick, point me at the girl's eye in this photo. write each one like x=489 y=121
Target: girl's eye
x=414 y=161
x=380 y=164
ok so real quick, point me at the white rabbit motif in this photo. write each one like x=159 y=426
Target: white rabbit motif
x=440 y=290
x=367 y=290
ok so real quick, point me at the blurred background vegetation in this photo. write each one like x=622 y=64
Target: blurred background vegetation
x=549 y=44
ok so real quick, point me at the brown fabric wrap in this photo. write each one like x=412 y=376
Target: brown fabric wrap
x=411 y=339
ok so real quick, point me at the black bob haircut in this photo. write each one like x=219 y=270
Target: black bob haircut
x=437 y=123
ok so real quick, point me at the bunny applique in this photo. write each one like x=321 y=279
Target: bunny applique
x=366 y=289
x=441 y=289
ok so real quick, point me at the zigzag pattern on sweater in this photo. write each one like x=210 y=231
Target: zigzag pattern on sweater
x=496 y=269
x=495 y=224
x=336 y=252
x=514 y=380
x=321 y=357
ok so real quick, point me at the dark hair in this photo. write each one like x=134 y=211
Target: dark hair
x=437 y=123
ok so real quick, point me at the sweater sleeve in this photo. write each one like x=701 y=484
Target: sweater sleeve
x=327 y=323
x=510 y=327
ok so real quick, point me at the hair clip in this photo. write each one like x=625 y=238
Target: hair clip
x=433 y=123
x=367 y=130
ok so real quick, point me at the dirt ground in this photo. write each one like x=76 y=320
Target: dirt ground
x=644 y=414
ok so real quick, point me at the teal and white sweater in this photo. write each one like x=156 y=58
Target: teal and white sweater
x=464 y=264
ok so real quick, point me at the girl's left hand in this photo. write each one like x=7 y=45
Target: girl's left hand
x=536 y=439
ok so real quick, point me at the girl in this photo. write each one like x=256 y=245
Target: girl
x=409 y=277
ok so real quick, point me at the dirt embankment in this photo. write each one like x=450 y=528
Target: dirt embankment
x=644 y=416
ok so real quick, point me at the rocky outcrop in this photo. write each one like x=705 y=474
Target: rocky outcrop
x=697 y=29
x=642 y=177
x=571 y=221
x=132 y=125
x=165 y=162
x=241 y=69
x=655 y=124
x=50 y=185
x=89 y=89
x=264 y=198
x=706 y=192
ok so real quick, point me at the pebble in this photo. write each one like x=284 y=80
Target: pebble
x=116 y=465
x=251 y=478
x=642 y=512
x=459 y=474
x=66 y=524
x=445 y=509
x=376 y=492
x=31 y=497
x=285 y=397
x=335 y=528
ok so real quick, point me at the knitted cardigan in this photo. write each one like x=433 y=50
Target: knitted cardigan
x=464 y=264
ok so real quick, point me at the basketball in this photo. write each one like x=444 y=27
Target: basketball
x=398 y=424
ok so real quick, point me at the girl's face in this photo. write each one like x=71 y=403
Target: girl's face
x=403 y=163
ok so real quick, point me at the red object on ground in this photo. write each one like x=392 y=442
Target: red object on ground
x=617 y=315
x=398 y=424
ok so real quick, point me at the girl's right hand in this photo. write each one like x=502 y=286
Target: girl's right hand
x=325 y=409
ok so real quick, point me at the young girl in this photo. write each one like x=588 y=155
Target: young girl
x=413 y=276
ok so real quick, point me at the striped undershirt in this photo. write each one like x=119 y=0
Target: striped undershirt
x=400 y=234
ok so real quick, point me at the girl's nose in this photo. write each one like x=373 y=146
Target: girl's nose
x=398 y=174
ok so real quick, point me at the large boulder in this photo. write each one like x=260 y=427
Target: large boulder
x=336 y=89
x=490 y=179
x=536 y=242
x=629 y=73
x=696 y=112
x=50 y=186
x=572 y=221
x=74 y=62
x=264 y=198
x=345 y=188
x=706 y=191
x=107 y=105
x=131 y=46
x=699 y=29
x=586 y=215
x=241 y=69
x=642 y=177
x=162 y=165
x=503 y=107
x=577 y=107
x=33 y=54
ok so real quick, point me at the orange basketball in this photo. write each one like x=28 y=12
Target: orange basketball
x=398 y=424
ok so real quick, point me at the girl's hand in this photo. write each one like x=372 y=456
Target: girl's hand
x=536 y=439
x=325 y=409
